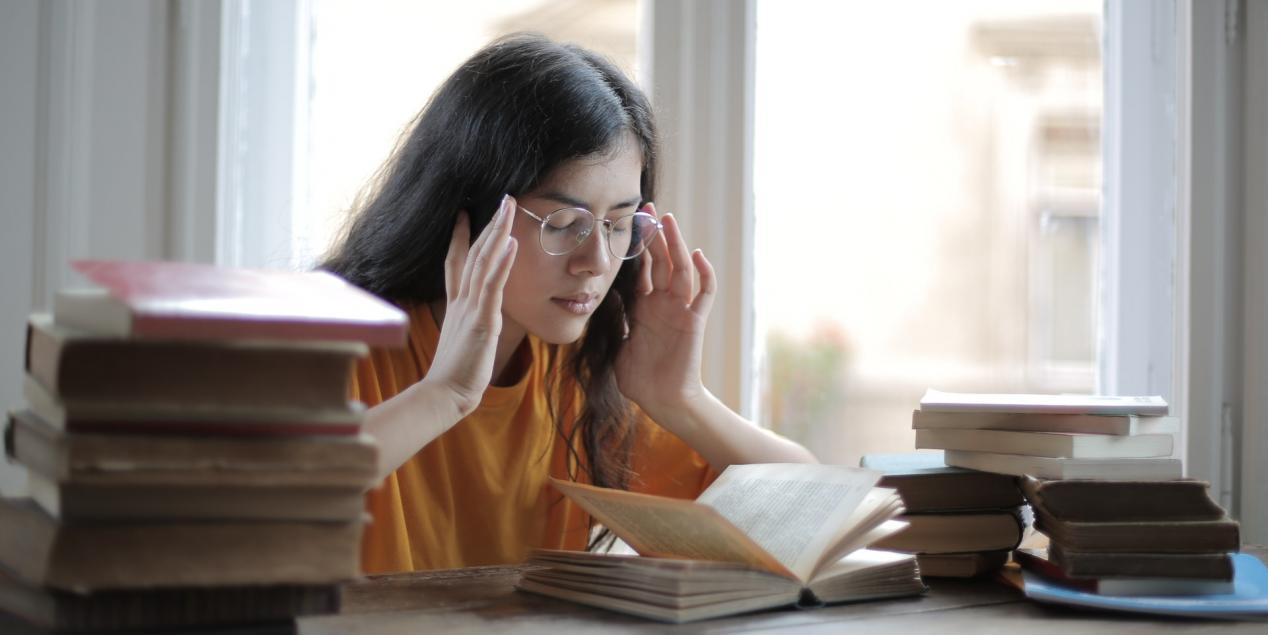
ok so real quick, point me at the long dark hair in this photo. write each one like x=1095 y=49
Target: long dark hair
x=517 y=109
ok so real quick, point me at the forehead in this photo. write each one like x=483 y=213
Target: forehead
x=613 y=174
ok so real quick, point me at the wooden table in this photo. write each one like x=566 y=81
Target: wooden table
x=483 y=600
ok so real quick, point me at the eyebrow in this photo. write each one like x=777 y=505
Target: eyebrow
x=560 y=197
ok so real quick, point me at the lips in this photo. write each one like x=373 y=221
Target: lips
x=577 y=303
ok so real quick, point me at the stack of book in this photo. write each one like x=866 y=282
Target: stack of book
x=961 y=523
x=193 y=457
x=1132 y=537
x=1051 y=436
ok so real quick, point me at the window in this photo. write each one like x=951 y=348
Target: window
x=927 y=205
x=373 y=67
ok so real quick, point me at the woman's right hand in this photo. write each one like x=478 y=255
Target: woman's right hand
x=474 y=279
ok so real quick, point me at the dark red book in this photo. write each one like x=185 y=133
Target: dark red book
x=176 y=300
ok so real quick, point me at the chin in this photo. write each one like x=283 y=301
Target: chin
x=559 y=331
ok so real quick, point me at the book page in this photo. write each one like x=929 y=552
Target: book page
x=669 y=527
x=796 y=512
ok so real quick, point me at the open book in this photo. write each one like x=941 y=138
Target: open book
x=761 y=536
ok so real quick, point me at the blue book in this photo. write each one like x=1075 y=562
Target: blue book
x=1248 y=601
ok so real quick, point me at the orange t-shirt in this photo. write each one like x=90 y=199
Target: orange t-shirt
x=478 y=494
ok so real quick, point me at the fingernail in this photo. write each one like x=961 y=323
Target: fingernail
x=506 y=204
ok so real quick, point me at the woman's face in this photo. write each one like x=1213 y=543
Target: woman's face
x=553 y=297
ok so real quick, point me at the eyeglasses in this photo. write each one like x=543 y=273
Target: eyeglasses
x=563 y=230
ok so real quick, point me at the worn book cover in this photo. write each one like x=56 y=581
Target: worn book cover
x=83 y=557
x=1049 y=444
x=956 y=532
x=1067 y=468
x=1082 y=564
x=927 y=484
x=1037 y=561
x=194 y=419
x=960 y=565
x=78 y=366
x=1124 y=501
x=161 y=610
x=178 y=300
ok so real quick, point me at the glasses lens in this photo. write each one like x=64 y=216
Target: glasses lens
x=631 y=234
x=565 y=229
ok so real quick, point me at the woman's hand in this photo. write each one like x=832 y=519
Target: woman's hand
x=659 y=365
x=474 y=279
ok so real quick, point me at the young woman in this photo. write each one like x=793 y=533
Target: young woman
x=565 y=341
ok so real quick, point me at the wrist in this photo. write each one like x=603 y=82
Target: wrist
x=683 y=411
x=446 y=405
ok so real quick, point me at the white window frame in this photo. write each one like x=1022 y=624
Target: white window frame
x=1185 y=304
x=698 y=71
x=259 y=127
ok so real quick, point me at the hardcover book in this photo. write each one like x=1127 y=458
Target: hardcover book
x=168 y=460
x=1122 y=501
x=1053 y=468
x=213 y=419
x=1036 y=560
x=760 y=536
x=960 y=565
x=1049 y=444
x=41 y=552
x=162 y=610
x=1045 y=422
x=938 y=401
x=927 y=484
x=177 y=300
x=1152 y=536
x=74 y=365
x=956 y=532
x=1082 y=564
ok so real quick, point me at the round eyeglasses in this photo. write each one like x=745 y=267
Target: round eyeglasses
x=563 y=230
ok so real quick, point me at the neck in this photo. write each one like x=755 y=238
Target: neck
x=509 y=341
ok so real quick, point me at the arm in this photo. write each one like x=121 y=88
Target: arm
x=723 y=437
x=463 y=366
x=659 y=364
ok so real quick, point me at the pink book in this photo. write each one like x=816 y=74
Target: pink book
x=178 y=300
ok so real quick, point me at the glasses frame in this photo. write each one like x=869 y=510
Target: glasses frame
x=607 y=223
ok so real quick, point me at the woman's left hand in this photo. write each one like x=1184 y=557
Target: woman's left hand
x=659 y=365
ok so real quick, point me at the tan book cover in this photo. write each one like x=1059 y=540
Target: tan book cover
x=86 y=557
x=78 y=366
x=1123 y=501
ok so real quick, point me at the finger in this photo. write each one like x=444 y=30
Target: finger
x=645 y=273
x=659 y=250
x=708 y=284
x=456 y=259
x=491 y=296
x=680 y=281
x=487 y=247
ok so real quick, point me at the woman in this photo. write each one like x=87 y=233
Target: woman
x=565 y=341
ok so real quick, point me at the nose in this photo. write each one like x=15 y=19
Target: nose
x=591 y=257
